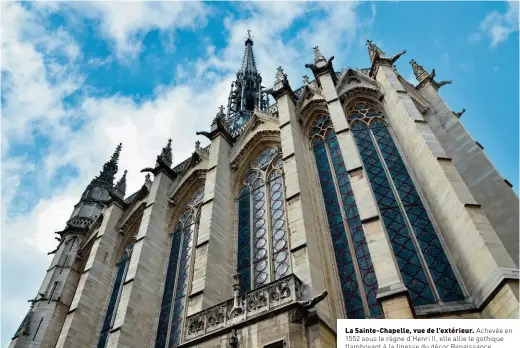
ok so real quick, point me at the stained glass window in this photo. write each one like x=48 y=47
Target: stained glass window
x=421 y=259
x=113 y=303
x=262 y=233
x=355 y=269
x=172 y=313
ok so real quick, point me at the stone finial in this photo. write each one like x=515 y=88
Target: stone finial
x=166 y=154
x=418 y=71
x=305 y=80
x=319 y=59
x=374 y=51
x=220 y=113
x=280 y=75
x=197 y=145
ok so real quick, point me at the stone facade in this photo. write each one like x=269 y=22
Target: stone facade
x=202 y=257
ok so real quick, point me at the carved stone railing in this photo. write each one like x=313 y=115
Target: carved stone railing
x=281 y=293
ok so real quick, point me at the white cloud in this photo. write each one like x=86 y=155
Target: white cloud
x=35 y=85
x=498 y=26
x=126 y=24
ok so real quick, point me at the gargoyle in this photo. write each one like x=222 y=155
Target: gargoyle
x=307 y=304
x=459 y=114
x=396 y=57
x=206 y=134
x=442 y=83
x=314 y=67
x=148 y=169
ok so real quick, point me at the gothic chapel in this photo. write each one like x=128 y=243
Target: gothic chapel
x=358 y=195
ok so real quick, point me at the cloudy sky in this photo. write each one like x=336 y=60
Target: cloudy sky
x=80 y=77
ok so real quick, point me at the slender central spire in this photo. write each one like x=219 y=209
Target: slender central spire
x=248 y=62
x=247 y=93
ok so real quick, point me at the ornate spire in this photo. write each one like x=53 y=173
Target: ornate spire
x=166 y=154
x=319 y=59
x=246 y=93
x=374 y=51
x=248 y=62
x=120 y=188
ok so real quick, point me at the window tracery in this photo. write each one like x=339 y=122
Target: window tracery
x=173 y=303
x=262 y=254
x=421 y=259
x=354 y=264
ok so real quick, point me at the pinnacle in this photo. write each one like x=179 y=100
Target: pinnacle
x=121 y=185
x=166 y=154
x=115 y=156
x=373 y=50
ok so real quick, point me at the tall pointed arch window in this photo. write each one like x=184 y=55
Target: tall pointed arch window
x=263 y=250
x=122 y=268
x=421 y=259
x=171 y=316
x=355 y=269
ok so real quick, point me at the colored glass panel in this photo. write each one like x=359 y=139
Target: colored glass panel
x=244 y=240
x=181 y=287
x=348 y=280
x=278 y=230
x=260 y=238
x=440 y=269
x=403 y=247
x=116 y=291
x=171 y=316
x=164 y=316
x=261 y=223
x=364 y=261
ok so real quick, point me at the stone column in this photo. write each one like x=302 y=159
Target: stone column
x=495 y=195
x=88 y=308
x=213 y=267
x=303 y=237
x=476 y=250
x=140 y=300
x=390 y=284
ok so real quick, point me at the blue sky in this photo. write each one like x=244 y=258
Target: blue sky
x=78 y=78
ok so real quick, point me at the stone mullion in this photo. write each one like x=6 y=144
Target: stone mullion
x=88 y=308
x=482 y=260
x=387 y=273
